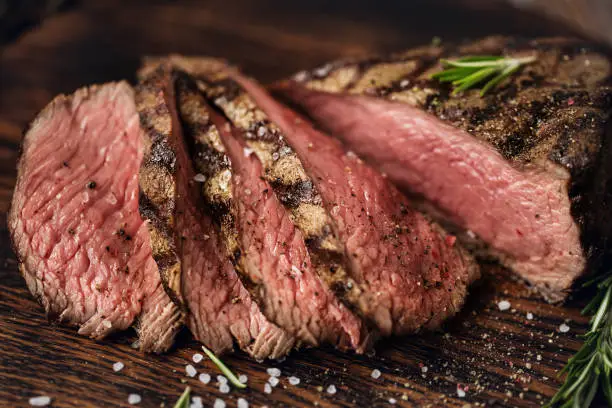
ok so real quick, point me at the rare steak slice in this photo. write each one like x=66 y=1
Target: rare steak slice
x=83 y=248
x=417 y=274
x=199 y=273
x=266 y=247
x=524 y=168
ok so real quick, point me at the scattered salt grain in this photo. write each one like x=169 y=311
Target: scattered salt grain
x=197 y=357
x=107 y=324
x=219 y=403
x=200 y=178
x=118 y=366
x=196 y=402
x=273 y=372
x=375 y=373
x=190 y=370
x=247 y=151
x=204 y=378
x=564 y=328
x=295 y=270
x=539 y=357
x=294 y=380
x=243 y=379
x=528 y=366
x=392 y=400
x=529 y=316
x=503 y=305
x=268 y=388
x=221 y=379
x=41 y=401
x=261 y=131
x=242 y=403
x=424 y=369
x=273 y=381
x=331 y=389
x=134 y=399
x=460 y=393
x=224 y=388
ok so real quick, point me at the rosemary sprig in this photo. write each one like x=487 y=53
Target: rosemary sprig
x=467 y=72
x=591 y=367
x=183 y=401
x=228 y=373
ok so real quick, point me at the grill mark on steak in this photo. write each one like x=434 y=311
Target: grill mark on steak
x=84 y=250
x=309 y=311
x=414 y=274
x=552 y=115
x=281 y=165
x=157 y=178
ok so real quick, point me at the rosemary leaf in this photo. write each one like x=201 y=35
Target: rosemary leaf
x=468 y=72
x=183 y=401
x=228 y=373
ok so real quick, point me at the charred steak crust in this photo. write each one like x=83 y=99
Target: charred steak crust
x=157 y=200
x=284 y=171
x=555 y=110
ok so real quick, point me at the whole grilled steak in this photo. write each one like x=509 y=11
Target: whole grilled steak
x=267 y=249
x=418 y=277
x=524 y=169
x=198 y=272
x=83 y=248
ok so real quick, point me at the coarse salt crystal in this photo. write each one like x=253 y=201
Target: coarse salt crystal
x=564 y=328
x=261 y=131
x=107 y=324
x=294 y=380
x=242 y=403
x=273 y=381
x=424 y=369
x=273 y=372
x=460 y=393
x=392 y=400
x=200 y=178
x=528 y=365
x=247 y=151
x=243 y=378
x=41 y=401
x=219 y=403
x=197 y=357
x=118 y=366
x=190 y=370
x=503 y=305
x=224 y=388
x=268 y=388
x=196 y=402
x=295 y=270
x=529 y=316
x=204 y=378
x=221 y=379
x=375 y=373
x=134 y=399
x=331 y=389
x=539 y=357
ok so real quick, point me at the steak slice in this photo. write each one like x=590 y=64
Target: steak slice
x=523 y=168
x=418 y=277
x=83 y=249
x=267 y=249
x=190 y=250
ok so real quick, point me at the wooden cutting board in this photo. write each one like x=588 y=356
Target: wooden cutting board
x=499 y=358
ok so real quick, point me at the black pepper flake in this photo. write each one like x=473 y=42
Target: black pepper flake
x=128 y=238
x=91 y=185
x=71 y=231
x=65 y=164
x=121 y=232
x=127 y=269
x=107 y=249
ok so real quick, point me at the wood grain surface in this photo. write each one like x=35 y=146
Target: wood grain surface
x=499 y=358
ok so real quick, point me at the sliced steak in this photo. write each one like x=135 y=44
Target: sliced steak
x=524 y=168
x=266 y=247
x=190 y=250
x=83 y=248
x=416 y=274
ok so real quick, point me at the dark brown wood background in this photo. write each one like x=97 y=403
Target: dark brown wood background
x=503 y=358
